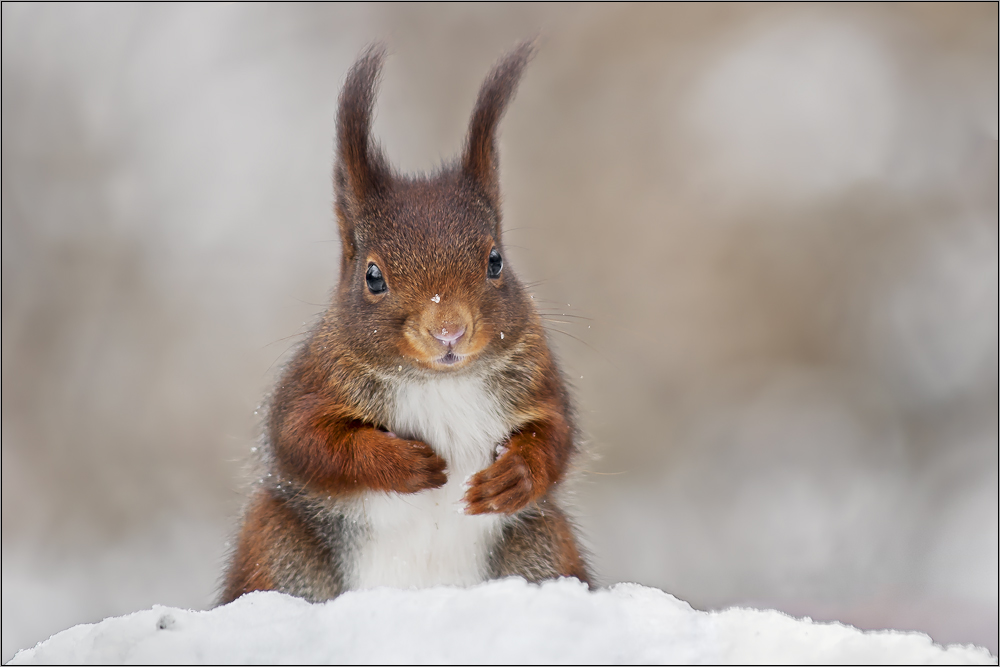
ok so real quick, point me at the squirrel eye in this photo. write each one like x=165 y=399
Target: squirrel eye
x=376 y=283
x=495 y=265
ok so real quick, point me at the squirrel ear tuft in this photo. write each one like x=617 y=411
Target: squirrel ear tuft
x=360 y=170
x=481 y=161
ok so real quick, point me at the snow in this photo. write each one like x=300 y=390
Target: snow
x=508 y=621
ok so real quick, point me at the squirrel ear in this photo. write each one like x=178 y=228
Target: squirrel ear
x=481 y=161
x=360 y=170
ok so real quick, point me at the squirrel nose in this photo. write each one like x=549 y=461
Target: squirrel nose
x=449 y=335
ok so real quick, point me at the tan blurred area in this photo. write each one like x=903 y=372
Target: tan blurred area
x=765 y=238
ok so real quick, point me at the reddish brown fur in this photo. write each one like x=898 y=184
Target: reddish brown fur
x=481 y=158
x=546 y=530
x=536 y=458
x=431 y=238
x=333 y=451
x=274 y=541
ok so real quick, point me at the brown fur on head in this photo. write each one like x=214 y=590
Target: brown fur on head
x=434 y=240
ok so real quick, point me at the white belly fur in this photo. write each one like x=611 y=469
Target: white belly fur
x=424 y=539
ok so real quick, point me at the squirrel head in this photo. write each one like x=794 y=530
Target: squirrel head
x=423 y=276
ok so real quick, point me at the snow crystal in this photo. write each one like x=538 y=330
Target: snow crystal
x=556 y=622
x=436 y=299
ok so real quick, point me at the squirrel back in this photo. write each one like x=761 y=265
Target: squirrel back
x=419 y=435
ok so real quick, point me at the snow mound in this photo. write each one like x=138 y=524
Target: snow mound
x=508 y=621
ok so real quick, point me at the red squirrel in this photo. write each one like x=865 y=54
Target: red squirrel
x=419 y=435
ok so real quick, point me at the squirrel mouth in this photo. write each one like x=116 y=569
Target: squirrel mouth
x=449 y=359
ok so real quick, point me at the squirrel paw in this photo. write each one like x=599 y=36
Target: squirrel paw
x=417 y=467
x=503 y=488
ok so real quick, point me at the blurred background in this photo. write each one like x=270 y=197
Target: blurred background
x=772 y=229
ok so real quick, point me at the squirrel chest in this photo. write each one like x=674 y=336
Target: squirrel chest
x=425 y=539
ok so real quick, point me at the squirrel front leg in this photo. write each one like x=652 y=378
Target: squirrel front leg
x=535 y=458
x=319 y=443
